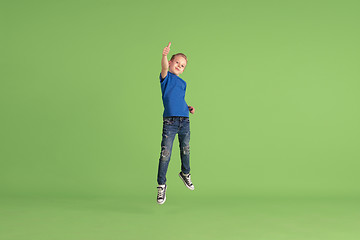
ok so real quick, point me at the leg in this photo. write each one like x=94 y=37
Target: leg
x=184 y=140
x=168 y=135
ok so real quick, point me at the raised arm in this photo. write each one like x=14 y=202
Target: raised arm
x=164 y=61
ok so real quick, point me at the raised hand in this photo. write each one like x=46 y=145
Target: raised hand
x=166 y=50
x=164 y=61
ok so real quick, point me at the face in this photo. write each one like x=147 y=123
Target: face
x=177 y=65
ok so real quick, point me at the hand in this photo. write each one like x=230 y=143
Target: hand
x=166 y=50
x=191 y=109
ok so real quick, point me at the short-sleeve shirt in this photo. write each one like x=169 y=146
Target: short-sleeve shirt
x=173 y=95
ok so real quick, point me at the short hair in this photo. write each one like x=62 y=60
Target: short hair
x=179 y=54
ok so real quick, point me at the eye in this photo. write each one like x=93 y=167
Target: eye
x=182 y=65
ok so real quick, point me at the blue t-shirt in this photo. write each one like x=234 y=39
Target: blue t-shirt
x=173 y=95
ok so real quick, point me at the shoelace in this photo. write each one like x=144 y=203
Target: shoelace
x=161 y=191
x=188 y=180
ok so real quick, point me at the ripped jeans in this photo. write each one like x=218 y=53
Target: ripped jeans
x=171 y=127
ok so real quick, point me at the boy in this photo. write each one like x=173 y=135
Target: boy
x=175 y=120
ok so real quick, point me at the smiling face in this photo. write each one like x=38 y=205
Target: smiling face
x=177 y=65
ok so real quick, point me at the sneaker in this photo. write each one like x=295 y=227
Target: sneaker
x=161 y=195
x=186 y=179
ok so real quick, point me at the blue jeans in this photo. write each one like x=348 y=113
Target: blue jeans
x=171 y=127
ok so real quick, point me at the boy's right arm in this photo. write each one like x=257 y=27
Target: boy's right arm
x=164 y=61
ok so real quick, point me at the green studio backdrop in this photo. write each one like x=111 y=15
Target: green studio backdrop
x=274 y=139
x=275 y=85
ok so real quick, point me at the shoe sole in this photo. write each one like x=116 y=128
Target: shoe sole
x=192 y=189
x=162 y=202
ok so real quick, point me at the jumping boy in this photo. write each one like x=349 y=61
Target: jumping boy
x=175 y=120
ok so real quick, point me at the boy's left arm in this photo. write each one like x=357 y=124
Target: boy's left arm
x=191 y=109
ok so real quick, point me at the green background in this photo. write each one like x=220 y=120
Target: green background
x=274 y=139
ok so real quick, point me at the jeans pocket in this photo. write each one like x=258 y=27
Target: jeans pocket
x=168 y=120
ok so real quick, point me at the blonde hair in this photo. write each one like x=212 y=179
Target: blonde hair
x=179 y=54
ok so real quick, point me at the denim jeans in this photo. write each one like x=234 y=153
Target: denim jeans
x=171 y=127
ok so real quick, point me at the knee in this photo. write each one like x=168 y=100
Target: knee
x=165 y=153
x=186 y=150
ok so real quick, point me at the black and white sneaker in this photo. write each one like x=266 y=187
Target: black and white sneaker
x=187 y=181
x=161 y=195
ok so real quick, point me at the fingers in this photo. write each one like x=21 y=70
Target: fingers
x=167 y=49
x=191 y=109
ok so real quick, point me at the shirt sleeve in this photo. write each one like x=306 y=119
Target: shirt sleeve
x=164 y=79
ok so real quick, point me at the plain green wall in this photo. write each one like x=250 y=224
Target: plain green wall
x=275 y=85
